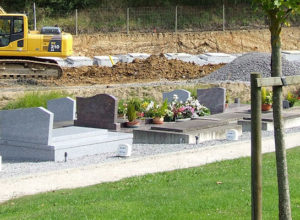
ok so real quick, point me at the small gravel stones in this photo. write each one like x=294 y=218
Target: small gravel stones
x=241 y=68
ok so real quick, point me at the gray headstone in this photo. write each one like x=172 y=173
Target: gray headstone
x=285 y=104
x=30 y=125
x=63 y=109
x=213 y=98
x=182 y=94
x=99 y=111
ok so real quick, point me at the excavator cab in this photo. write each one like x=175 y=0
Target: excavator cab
x=11 y=29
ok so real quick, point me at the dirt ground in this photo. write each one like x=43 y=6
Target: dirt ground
x=87 y=81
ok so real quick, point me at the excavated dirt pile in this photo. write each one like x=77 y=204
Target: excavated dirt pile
x=154 y=68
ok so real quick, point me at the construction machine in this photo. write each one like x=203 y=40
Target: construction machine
x=25 y=53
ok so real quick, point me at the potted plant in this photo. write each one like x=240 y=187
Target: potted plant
x=266 y=99
x=122 y=108
x=291 y=98
x=131 y=116
x=158 y=112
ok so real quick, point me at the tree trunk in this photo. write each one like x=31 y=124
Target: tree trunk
x=281 y=162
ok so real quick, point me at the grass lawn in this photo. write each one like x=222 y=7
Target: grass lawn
x=215 y=191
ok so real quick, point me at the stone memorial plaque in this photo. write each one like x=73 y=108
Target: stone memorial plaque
x=31 y=125
x=99 y=111
x=124 y=150
x=63 y=109
x=182 y=95
x=232 y=135
x=213 y=98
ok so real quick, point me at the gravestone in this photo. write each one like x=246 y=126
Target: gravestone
x=0 y=163
x=99 y=111
x=30 y=125
x=182 y=95
x=213 y=98
x=63 y=109
x=285 y=104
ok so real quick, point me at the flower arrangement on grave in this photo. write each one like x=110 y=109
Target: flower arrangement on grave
x=191 y=108
x=266 y=99
x=157 y=112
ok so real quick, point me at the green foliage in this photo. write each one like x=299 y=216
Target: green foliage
x=131 y=112
x=159 y=110
x=219 y=190
x=266 y=96
x=35 y=99
x=291 y=98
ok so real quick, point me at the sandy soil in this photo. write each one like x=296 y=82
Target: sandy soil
x=192 y=43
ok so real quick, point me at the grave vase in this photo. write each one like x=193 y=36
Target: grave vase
x=133 y=124
x=266 y=107
x=158 y=120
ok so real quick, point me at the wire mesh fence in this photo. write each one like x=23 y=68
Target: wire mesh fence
x=155 y=19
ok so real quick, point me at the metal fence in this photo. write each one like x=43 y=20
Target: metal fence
x=155 y=19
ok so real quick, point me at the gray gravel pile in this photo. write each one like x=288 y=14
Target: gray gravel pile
x=241 y=68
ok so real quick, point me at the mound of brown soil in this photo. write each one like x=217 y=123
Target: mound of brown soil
x=154 y=68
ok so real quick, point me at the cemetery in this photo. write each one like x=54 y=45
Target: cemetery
x=70 y=129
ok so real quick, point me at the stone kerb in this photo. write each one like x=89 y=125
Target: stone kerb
x=64 y=109
x=31 y=125
x=99 y=111
x=182 y=95
x=213 y=98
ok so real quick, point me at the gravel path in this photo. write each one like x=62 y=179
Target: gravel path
x=14 y=169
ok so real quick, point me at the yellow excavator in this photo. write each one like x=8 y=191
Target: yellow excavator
x=25 y=53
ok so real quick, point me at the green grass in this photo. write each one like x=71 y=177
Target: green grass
x=183 y=194
x=35 y=99
x=297 y=103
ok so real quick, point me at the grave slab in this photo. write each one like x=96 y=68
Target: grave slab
x=213 y=98
x=217 y=58
x=291 y=55
x=105 y=60
x=77 y=61
x=64 y=109
x=182 y=95
x=99 y=111
x=128 y=58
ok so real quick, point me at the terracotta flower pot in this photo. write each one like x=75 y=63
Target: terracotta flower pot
x=266 y=107
x=132 y=124
x=158 y=120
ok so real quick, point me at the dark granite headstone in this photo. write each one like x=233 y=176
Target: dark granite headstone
x=213 y=98
x=285 y=104
x=99 y=111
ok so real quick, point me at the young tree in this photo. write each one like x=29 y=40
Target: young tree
x=278 y=12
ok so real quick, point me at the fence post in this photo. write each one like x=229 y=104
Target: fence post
x=224 y=18
x=256 y=157
x=127 y=21
x=176 y=14
x=76 y=22
x=34 y=16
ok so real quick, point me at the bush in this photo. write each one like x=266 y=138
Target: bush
x=35 y=99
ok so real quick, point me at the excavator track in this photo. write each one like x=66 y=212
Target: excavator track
x=29 y=68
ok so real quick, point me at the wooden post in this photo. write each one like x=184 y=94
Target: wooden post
x=176 y=14
x=127 y=21
x=76 y=22
x=224 y=21
x=256 y=158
